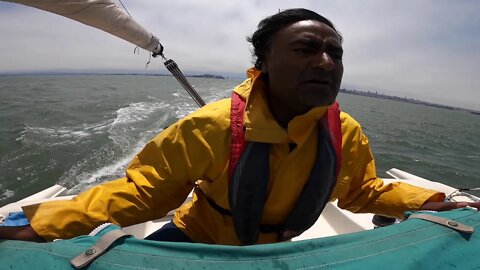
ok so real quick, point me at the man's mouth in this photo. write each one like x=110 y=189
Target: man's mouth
x=317 y=81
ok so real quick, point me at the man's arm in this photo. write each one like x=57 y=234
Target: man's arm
x=367 y=193
x=158 y=180
x=23 y=233
x=446 y=206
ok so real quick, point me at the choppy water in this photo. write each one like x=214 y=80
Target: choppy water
x=81 y=130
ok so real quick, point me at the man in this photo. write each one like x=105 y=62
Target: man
x=287 y=97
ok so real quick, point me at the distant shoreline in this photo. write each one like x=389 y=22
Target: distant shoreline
x=206 y=75
x=213 y=76
x=406 y=100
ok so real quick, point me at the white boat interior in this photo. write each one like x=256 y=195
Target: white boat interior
x=333 y=221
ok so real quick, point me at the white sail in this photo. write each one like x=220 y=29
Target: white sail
x=101 y=14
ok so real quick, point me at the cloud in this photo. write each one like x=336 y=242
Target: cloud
x=419 y=49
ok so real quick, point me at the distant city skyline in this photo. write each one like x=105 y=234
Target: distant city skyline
x=383 y=95
x=425 y=50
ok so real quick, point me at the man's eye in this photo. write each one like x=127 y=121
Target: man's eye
x=303 y=50
x=337 y=55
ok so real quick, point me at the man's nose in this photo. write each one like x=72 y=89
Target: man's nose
x=324 y=60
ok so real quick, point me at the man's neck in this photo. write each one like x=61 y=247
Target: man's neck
x=281 y=111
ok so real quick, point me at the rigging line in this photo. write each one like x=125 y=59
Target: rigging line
x=149 y=58
x=125 y=8
x=193 y=93
x=179 y=75
x=187 y=86
x=137 y=49
x=173 y=68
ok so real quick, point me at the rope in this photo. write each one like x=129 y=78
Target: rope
x=459 y=192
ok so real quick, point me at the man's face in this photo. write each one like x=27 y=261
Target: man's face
x=304 y=66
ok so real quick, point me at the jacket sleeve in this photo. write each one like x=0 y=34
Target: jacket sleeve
x=363 y=191
x=158 y=180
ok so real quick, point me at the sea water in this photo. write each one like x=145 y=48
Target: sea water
x=81 y=130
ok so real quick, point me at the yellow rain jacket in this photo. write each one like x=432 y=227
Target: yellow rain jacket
x=194 y=152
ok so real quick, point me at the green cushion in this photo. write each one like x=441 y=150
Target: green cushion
x=413 y=244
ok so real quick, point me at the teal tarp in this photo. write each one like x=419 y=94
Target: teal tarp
x=413 y=244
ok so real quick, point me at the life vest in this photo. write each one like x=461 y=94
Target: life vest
x=249 y=176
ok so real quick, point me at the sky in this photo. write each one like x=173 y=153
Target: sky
x=422 y=49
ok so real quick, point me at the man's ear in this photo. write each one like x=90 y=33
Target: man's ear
x=264 y=56
x=264 y=67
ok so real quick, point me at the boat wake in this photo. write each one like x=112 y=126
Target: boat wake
x=135 y=112
x=5 y=193
x=132 y=127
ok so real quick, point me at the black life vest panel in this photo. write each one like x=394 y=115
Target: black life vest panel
x=249 y=177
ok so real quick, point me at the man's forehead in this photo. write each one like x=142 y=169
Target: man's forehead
x=311 y=28
x=307 y=23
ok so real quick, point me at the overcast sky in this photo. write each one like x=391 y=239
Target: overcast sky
x=427 y=50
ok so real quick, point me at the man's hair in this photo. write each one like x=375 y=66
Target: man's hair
x=267 y=28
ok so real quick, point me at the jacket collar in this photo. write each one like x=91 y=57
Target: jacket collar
x=261 y=126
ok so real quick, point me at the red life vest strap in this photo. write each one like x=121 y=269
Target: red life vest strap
x=238 y=132
x=335 y=129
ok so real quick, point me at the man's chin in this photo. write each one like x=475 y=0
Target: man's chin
x=319 y=102
x=318 y=97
